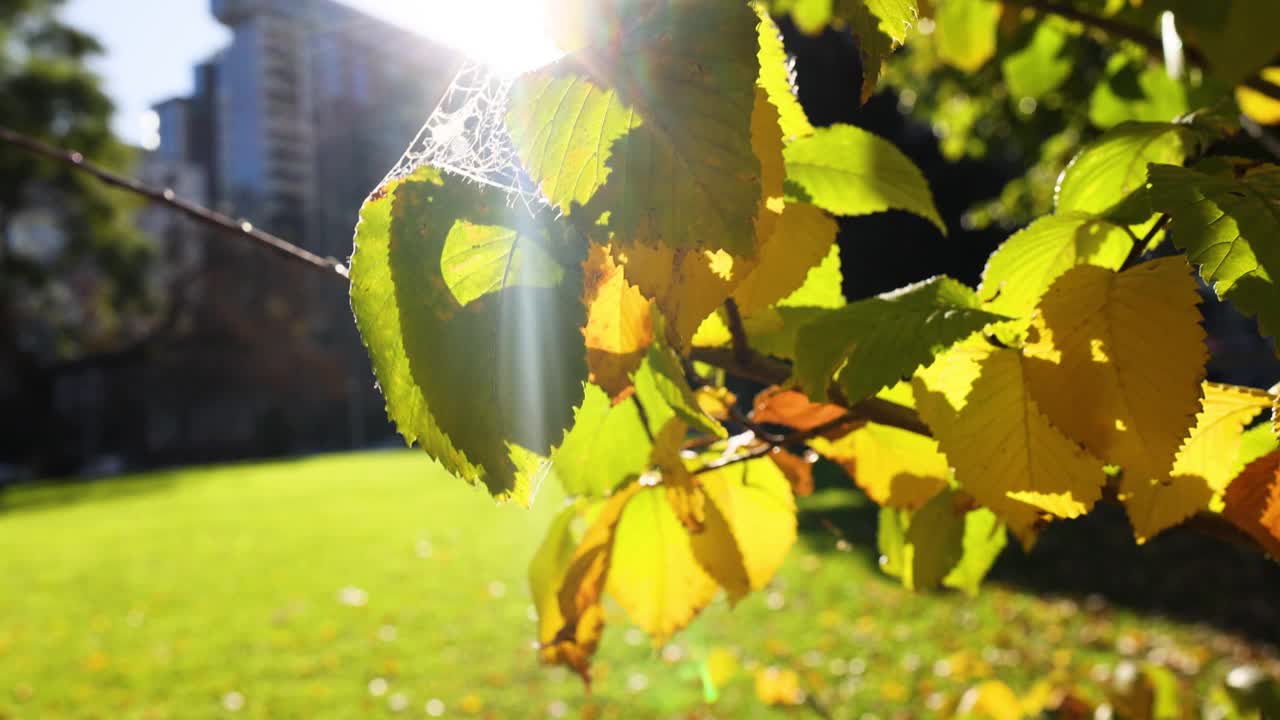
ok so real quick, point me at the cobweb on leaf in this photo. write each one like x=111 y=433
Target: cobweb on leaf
x=467 y=135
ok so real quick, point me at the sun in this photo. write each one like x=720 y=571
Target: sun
x=510 y=36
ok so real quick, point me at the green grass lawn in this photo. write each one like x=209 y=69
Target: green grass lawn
x=373 y=585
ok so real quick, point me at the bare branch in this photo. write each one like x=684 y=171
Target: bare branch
x=166 y=197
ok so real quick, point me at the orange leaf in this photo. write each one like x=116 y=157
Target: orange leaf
x=1253 y=502
x=794 y=409
x=799 y=471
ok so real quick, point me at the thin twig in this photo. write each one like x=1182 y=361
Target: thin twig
x=1140 y=247
x=168 y=198
x=644 y=417
x=738 y=332
x=1149 y=42
x=793 y=438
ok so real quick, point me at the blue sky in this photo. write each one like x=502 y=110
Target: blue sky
x=152 y=45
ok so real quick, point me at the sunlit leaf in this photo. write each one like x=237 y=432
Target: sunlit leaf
x=684 y=492
x=984 y=540
x=896 y=468
x=1136 y=91
x=648 y=130
x=1104 y=174
x=547 y=571
x=1263 y=109
x=1042 y=65
x=884 y=339
x=663 y=390
x=1252 y=502
x=934 y=542
x=619 y=327
x=1131 y=342
x=1024 y=266
x=1226 y=216
x=777 y=406
x=750 y=528
x=965 y=32
x=777 y=81
x=802 y=238
x=653 y=573
x=846 y=170
x=481 y=385
x=1002 y=446
x=607 y=445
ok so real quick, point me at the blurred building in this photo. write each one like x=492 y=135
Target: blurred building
x=290 y=126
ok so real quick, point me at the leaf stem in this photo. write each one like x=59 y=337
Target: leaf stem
x=1140 y=245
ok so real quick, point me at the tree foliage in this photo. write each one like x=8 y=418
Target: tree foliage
x=688 y=236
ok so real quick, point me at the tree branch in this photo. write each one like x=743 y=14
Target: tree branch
x=793 y=438
x=1149 y=42
x=166 y=197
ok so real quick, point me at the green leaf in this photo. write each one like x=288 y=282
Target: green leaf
x=1136 y=91
x=1254 y=443
x=984 y=539
x=481 y=364
x=1226 y=217
x=777 y=81
x=935 y=542
x=846 y=170
x=1041 y=66
x=965 y=32
x=607 y=445
x=1024 y=266
x=891 y=540
x=664 y=392
x=1109 y=170
x=879 y=25
x=884 y=339
x=649 y=133
x=1244 y=43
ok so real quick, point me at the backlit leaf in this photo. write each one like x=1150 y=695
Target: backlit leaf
x=1131 y=342
x=941 y=393
x=619 y=327
x=1226 y=216
x=1002 y=446
x=648 y=130
x=894 y=467
x=653 y=574
x=884 y=339
x=846 y=170
x=802 y=238
x=1136 y=90
x=776 y=78
x=750 y=528
x=1253 y=502
x=1263 y=109
x=1024 y=266
x=661 y=385
x=485 y=384
x=965 y=32
x=1106 y=172
x=547 y=571
x=607 y=445
x=1042 y=65
x=934 y=542
x=1204 y=465
x=777 y=406
x=984 y=539
x=683 y=490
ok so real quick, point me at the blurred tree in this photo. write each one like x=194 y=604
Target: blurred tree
x=72 y=280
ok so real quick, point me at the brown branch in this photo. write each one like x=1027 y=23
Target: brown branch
x=1149 y=42
x=738 y=331
x=166 y=197
x=793 y=438
x=1141 y=244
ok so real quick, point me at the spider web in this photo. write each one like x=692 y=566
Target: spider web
x=467 y=135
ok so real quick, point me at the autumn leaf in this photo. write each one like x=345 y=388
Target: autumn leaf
x=619 y=327
x=653 y=573
x=750 y=527
x=798 y=470
x=794 y=409
x=1003 y=447
x=896 y=468
x=1252 y=502
x=684 y=492
x=607 y=445
x=1131 y=343
x=801 y=239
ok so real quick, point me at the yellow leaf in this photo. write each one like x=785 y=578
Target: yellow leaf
x=1002 y=446
x=992 y=700
x=1262 y=108
x=687 y=284
x=619 y=327
x=1116 y=361
x=579 y=595
x=896 y=468
x=1203 y=467
x=715 y=401
x=941 y=393
x=750 y=527
x=801 y=239
x=776 y=686
x=653 y=574
x=776 y=77
x=684 y=492
x=722 y=665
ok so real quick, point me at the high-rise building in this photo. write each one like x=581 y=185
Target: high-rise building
x=303 y=113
